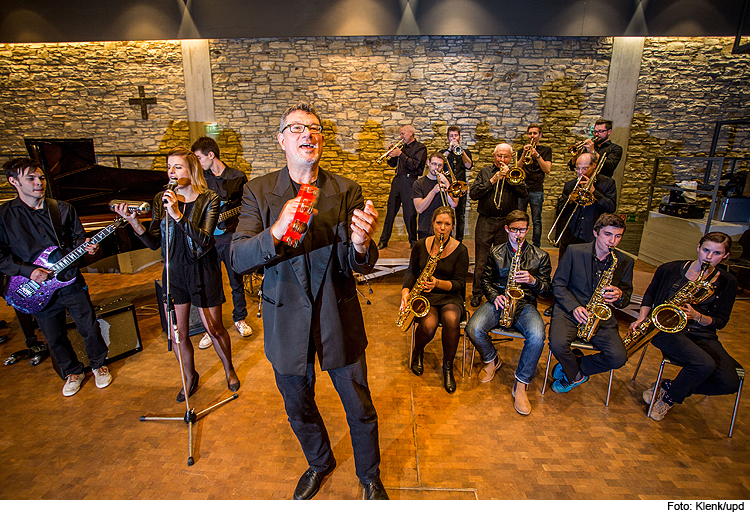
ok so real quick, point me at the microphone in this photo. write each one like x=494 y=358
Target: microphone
x=171 y=185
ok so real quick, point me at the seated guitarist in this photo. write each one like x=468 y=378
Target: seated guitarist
x=227 y=182
x=27 y=228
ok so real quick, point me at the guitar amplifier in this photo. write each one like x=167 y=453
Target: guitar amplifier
x=119 y=328
x=196 y=324
x=682 y=210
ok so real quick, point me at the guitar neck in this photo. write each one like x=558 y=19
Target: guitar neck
x=78 y=252
x=229 y=214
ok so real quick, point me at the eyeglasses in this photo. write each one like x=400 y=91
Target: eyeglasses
x=298 y=128
x=518 y=229
x=583 y=169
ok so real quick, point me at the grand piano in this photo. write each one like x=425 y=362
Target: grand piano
x=74 y=175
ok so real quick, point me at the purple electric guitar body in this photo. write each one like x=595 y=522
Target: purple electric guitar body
x=30 y=297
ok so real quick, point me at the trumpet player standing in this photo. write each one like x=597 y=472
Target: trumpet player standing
x=497 y=198
x=599 y=145
x=444 y=289
x=459 y=159
x=537 y=165
x=409 y=161
x=429 y=193
x=706 y=367
x=577 y=279
x=533 y=279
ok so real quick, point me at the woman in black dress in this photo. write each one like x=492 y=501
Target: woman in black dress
x=445 y=290
x=706 y=367
x=195 y=275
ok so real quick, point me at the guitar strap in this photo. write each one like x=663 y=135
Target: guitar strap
x=53 y=208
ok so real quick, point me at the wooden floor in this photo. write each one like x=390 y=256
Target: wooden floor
x=469 y=445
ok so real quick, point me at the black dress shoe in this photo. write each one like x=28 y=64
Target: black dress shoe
x=548 y=312
x=309 y=483
x=417 y=362
x=382 y=245
x=193 y=388
x=375 y=491
x=476 y=301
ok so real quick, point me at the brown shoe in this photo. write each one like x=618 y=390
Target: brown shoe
x=520 y=400
x=488 y=371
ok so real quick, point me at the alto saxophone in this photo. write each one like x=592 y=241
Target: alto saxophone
x=597 y=307
x=669 y=316
x=417 y=305
x=513 y=293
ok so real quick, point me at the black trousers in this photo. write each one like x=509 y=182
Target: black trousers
x=400 y=195
x=239 y=305
x=52 y=324
x=706 y=367
x=461 y=217
x=489 y=232
x=351 y=384
x=563 y=330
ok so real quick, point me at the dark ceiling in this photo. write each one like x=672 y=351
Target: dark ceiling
x=116 y=20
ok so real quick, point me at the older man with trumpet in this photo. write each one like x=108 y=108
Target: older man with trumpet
x=430 y=192
x=497 y=197
x=408 y=156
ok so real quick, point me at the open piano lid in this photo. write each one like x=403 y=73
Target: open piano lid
x=74 y=176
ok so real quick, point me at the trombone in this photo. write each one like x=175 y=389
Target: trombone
x=398 y=145
x=581 y=196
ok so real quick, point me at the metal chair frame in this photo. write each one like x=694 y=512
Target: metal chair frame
x=583 y=346
x=667 y=361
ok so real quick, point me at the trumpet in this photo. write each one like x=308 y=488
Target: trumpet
x=516 y=175
x=457 y=150
x=527 y=159
x=581 y=196
x=398 y=145
x=577 y=148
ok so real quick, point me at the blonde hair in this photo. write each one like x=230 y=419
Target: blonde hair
x=193 y=166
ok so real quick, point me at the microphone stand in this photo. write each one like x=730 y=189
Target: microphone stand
x=190 y=416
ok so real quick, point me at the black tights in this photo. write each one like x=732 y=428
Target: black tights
x=449 y=315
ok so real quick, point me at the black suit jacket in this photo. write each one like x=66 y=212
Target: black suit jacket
x=326 y=307
x=572 y=284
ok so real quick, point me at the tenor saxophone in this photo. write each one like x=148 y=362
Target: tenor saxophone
x=597 y=307
x=417 y=304
x=669 y=316
x=513 y=293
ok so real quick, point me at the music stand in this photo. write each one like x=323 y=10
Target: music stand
x=190 y=416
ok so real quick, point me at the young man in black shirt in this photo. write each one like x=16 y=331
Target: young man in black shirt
x=227 y=182
x=26 y=230
x=459 y=158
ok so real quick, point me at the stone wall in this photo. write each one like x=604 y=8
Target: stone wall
x=366 y=88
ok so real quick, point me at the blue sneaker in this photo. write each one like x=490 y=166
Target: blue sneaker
x=557 y=372
x=563 y=385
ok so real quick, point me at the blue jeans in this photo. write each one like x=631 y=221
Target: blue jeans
x=529 y=323
x=536 y=200
x=351 y=384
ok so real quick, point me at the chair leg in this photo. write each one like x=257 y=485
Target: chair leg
x=645 y=347
x=411 y=344
x=546 y=372
x=736 y=406
x=656 y=388
x=463 y=358
x=609 y=388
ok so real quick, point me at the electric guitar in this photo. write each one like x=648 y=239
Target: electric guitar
x=226 y=215
x=30 y=297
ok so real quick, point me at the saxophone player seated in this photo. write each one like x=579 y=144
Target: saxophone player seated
x=706 y=367
x=444 y=289
x=587 y=280
x=512 y=301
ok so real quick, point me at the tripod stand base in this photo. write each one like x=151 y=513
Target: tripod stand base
x=36 y=355
x=190 y=417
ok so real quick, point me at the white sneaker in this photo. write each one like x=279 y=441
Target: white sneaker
x=243 y=329
x=72 y=384
x=205 y=341
x=102 y=376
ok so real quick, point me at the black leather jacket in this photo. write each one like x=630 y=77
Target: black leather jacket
x=534 y=260
x=198 y=228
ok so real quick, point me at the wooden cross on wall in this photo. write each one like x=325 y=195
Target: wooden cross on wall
x=142 y=101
